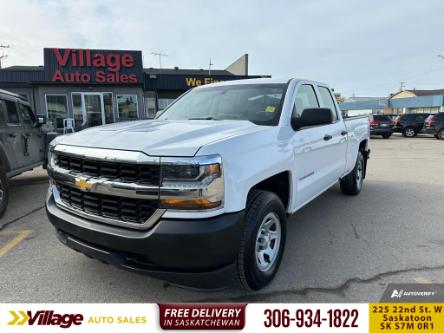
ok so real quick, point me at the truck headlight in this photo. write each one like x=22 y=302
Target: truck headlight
x=192 y=183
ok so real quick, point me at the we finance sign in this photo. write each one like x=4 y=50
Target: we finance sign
x=86 y=66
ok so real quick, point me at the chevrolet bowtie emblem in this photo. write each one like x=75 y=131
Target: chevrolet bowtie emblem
x=83 y=184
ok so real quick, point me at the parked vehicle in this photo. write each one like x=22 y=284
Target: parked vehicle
x=392 y=116
x=435 y=125
x=381 y=125
x=410 y=124
x=22 y=141
x=203 y=191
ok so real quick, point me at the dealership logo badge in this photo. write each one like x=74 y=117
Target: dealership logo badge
x=19 y=318
x=397 y=294
x=83 y=184
x=45 y=318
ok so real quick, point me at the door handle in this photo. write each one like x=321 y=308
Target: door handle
x=344 y=133
x=327 y=137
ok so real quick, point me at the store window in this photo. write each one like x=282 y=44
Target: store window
x=164 y=102
x=57 y=108
x=150 y=104
x=108 y=107
x=127 y=107
x=78 y=111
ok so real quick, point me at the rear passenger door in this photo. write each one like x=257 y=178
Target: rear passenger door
x=337 y=145
x=419 y=121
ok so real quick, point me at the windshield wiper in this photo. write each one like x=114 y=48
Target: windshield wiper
x=204 y=118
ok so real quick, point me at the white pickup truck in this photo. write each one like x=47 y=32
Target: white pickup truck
x=202 y=193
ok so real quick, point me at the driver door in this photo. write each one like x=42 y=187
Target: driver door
x=32 y=135
x=315 y=150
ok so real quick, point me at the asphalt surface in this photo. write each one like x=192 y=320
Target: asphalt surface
x=339 y=248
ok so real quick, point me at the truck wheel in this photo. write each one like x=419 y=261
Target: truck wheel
x=409 y=132
x=263 y=240
x=441 y=134
x=4 y=193
x=352 y=183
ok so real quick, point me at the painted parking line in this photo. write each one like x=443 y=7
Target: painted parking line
x=421 y=279
x=21 y=235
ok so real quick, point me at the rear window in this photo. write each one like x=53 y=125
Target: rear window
x=382 y=118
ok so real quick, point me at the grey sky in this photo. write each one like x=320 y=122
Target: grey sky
x=361 y=47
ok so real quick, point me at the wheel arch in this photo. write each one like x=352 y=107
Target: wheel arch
x=279 y=184
x=363 y=149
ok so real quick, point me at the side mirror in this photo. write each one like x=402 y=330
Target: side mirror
x=41 y=120
x=311 y=117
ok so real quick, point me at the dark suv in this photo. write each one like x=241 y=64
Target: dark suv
x=410 y=124
x=22 y=141
x=435 y=125
x=381 y=125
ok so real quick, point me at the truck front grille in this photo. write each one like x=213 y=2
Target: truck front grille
x=148 y=174
x=108 y=206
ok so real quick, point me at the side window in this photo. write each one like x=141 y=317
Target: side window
x=11 y=109
x=328 y=102
x=419 y=119
x=26 y=115
x=305 y=99
x=2 y=113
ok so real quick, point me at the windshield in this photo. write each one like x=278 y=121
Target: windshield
x=258 y=103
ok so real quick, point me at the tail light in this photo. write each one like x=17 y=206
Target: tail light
x=397 y=122
x=374 y=123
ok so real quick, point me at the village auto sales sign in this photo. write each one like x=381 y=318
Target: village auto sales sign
x=85 y=66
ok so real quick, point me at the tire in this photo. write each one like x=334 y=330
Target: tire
x=409 y=132
x=441 y=134
x=386 y=136
x=256 y=269
x=4 y=192
x=352 y=183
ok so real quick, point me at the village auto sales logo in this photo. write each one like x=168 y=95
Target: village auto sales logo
x=45 y=318
x=93 y=66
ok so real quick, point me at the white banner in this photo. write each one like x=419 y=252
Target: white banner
x=135 y=318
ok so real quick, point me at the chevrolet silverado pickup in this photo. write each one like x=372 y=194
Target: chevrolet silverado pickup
x=200 y=195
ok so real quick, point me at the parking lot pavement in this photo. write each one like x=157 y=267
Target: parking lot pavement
x=339 y=248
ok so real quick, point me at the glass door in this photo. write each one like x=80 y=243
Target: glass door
x=93 y=109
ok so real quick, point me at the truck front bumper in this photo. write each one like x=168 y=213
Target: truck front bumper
x=193 y=253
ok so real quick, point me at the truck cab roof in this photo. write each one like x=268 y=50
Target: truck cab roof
x=258 y=81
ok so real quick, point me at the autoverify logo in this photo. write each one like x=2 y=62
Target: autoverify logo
x=397 y=294
x=45 y=318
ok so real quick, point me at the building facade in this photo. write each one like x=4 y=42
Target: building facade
x=97 y=87
x=403 y=102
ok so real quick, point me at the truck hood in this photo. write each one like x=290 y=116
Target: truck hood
x=159 y=137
